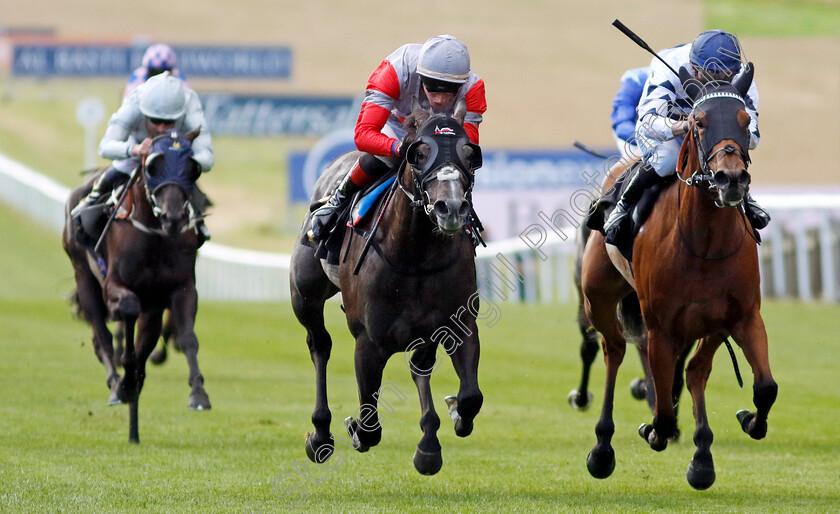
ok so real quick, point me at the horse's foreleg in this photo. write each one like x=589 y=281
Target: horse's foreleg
x=184 y=305
x=701 y=470
x=125 y=306
x=662 y=365
x=751 y=336
x=465 y=406
x=427 y=457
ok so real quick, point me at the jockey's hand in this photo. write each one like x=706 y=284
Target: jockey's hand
x=142 y=149
x=402 y=147
x=682 y=127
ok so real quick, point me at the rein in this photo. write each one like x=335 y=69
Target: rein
x=414 y=203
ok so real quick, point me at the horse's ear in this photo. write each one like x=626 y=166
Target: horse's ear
x=460 y=110
x=192 y=134
x=744 y=79
x=690 y=85
x=744 y=119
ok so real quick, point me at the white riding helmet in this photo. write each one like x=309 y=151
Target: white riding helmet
x=444 y=58
x=163 y=97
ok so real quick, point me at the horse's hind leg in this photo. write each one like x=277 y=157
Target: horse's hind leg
x=751 y=336
x=701 y=470
x=184 y=306
x=370 y=362
x=427 y=457
x=581 y=398
x=89 y=296
x=603 y=288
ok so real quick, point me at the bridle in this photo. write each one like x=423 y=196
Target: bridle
x=175 y=152
x=705 y=175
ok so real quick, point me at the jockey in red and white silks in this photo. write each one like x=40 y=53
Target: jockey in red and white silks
x=437 y=74
x=390 y=92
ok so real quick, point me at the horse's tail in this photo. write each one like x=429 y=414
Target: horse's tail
x=75 y=304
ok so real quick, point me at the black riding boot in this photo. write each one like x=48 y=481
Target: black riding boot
x=106 y=183
x=759 y=218
x=617 y=224
x=325 y=216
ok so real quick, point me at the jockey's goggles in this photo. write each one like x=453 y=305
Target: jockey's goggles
x=161 y=121
x=439 y=86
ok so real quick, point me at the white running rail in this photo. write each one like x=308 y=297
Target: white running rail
x=800 y=256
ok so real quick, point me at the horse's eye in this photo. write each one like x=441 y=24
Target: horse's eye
x=419 y=155
x=154 y=167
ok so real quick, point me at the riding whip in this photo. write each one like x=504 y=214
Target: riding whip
x=113 y=215
x=636 y=39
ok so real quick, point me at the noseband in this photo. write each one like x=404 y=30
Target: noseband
x=443 y=173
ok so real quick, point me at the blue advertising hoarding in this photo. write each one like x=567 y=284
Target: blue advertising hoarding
x=194 y=61
x=276 y=115
x=503 y=170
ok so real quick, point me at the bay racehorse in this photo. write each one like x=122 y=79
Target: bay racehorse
x=146 y=264
x=695 y=269
x=416 y=290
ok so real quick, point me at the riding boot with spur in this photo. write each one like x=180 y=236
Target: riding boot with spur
x=106 y=183
x=617 y=225
x=325 y=216
x=759 y=218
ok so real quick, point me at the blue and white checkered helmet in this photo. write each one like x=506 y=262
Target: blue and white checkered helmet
x=159 y=57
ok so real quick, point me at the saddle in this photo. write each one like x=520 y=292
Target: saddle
x=361 y=204
x=601 y=209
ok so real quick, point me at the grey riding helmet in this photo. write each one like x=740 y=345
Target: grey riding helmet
x=444 y=64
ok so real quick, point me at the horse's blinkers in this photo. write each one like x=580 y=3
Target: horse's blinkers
x=175 y=152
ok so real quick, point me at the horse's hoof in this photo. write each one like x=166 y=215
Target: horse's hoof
x=199 y=401
x=700 y=478
x=352 y=426
x=322 y=453
x=648 y=434
x=578 y=401
x=638 y=388
x=114 y=397
x=158 y=357
x=601 y=464
x=452 y=405
x=749 y=424
x=427 y=463
x=463 y=427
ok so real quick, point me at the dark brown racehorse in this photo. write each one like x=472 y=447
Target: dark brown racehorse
x=149 y=265
x=417 y=288
x=695 y=268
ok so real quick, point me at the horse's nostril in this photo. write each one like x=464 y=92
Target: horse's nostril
x=721 y=180
x=441 y=209
x=464 y=209
x=744 y=178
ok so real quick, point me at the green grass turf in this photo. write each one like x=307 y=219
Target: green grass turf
x=776 y=18
x=63 y=449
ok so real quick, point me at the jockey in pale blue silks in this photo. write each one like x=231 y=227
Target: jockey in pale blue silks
x=624 y=115
x=663 y=111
